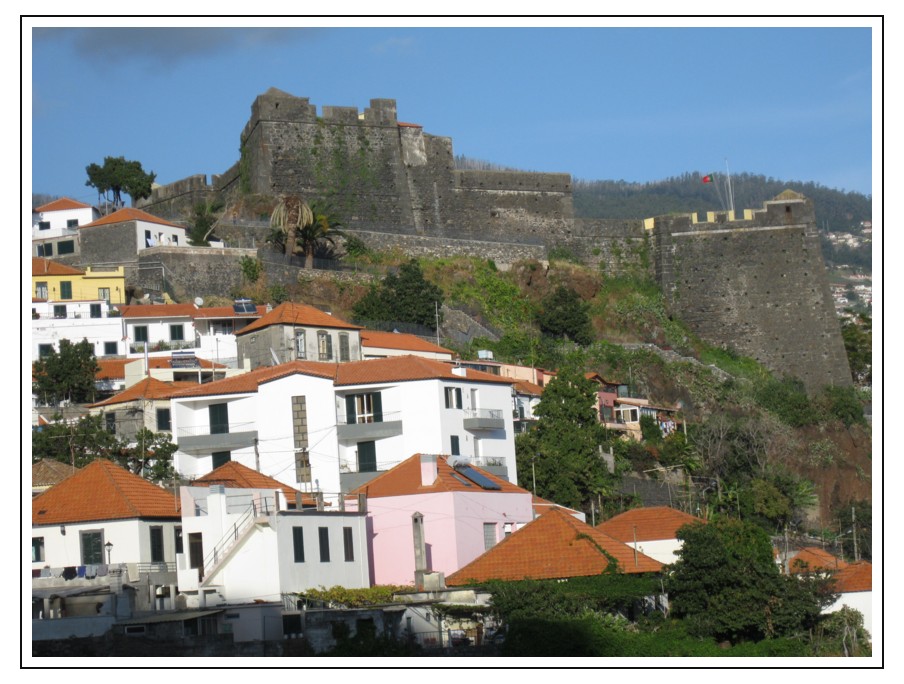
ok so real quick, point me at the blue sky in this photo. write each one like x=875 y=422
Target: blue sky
x=638 y=104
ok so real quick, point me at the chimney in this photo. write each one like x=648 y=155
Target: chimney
x=420 y=545
x=429 y=469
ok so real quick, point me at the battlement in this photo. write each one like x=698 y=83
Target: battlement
x=788 y=208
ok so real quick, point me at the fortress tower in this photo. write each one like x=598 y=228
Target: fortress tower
x=756 y=284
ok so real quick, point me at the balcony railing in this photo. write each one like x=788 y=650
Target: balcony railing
x=207 y=438
x=484 y=419
x=390 y=425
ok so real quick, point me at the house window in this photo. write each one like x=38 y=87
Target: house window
x=103 y=293
x=367 y=457
x=177 y=332
x=364 y=408
x=37 y=549
x=455 y=451
x=148 y=239
x=110 y=422
x=299 y=344
x=453 y=397
x=298 y=544
x=66 y=247
x=141 y=333
x=175 y=239
x=111 y=348
x=219 y=418
x=43 y=225
x=59 y=311
x=324 y=346
x=347 y=543
x=72 y=223
x=45 y=250
x=324 y=534
x=95 y=311
x=65 y=289
x=156 y=544
x=220 y=458
x=41 y=290
x=489 y=535
x=92 y=546
x=44 y=350
x=163 y=419
x=343 y=347
x=177 y=533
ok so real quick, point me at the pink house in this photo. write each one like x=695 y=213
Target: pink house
x=432 y=515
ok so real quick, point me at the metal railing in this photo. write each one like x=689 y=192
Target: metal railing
x=200 y=430
x=261 y=507
x=386 y=417
x=495 y=414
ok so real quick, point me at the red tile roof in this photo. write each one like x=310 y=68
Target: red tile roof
x=102 y=491
x=392 y=369
x=393 y=340
x=41 y=267
x=405 y=479
x=528 y=388
x=655 y=522
x=813 y=559
x=47 y=472
x=156 y=310
x=112 y=369
x=290 y=313
x=129 y=214
x=62 y=204
x=167 y=362
x=856 y=576
x=149 y=388
x=554 y=546
x=234 y=475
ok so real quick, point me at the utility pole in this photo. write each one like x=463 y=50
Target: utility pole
x=257 y=456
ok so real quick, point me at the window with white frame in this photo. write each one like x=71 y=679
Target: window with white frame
x=324 y=346
x=453 y=397
x=299 y=344
x=41 y=290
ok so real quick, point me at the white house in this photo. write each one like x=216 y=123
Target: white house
x=54 y=226
x=652 y=531
x=75 y=321
x=149 y=230
x=376 y=344
x=245 y=544
x=331 y=427
x=854 y=584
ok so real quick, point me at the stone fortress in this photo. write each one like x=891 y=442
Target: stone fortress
x=757 y=284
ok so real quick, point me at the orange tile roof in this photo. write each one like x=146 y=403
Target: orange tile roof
x=234 y=475
x=655 y=522
x=528 y=388
x=290 y=313
x=149 y=388
x=102 y=491
x=856 y=576
x=249 y=382
x=813 y=559
x=554 y=546
x=112 y=369
x=129 y=214
x=41 y=267
x=406 y=368
x=156 y=310
x=167 y=362
x=62 y=204
x=47 y=471
x=393 y=340
x=392 y=369
x=405 y=479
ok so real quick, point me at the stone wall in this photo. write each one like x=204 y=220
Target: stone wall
x=187 y=272
x=757 y=284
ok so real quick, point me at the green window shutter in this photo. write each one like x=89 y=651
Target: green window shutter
x=65 y=290
x=378 y=407
x=458 y=403
x=351 y=416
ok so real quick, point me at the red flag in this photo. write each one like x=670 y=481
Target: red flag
x=710 y=178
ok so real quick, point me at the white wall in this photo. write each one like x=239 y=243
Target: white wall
x=159 y=331
x=131 y=541
x=312 y=573
x=163 y=235
x=50 y=330
x=663 y=550
x=858 y=600
x=58 y=221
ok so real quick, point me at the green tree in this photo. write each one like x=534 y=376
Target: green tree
x=562 y=452
x=148 y=454
x=726 y=584
x=289 y=216
x=203 y=219
x=76 y=443
x=563 y=314
x=404 y=297
x=67 y=374
x=118 y=175
x=858 y=343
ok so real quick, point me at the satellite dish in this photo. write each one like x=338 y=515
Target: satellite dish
x=199 y=302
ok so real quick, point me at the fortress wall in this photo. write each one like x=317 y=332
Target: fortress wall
x=757 y=285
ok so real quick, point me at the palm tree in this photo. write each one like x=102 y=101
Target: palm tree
x=296 y=224
x=290 y=215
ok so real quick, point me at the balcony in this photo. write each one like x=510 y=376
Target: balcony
x=483 y=419
x=203 y=440
x=369 y=429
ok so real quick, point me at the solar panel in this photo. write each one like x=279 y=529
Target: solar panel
x=244 y=306
x=462 y=480
x=477 y=478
